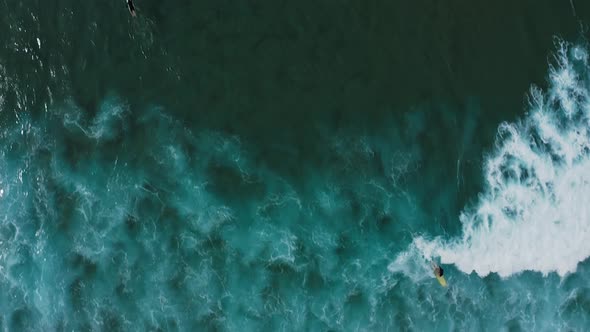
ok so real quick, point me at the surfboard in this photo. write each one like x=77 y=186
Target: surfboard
x=441 y=280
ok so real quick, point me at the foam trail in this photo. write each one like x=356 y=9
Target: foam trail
x=534 y=214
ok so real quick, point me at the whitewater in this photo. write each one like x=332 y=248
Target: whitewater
x=534 y=213
x=187 y=171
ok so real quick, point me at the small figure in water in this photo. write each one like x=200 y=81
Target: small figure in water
x=131 y=7
x=438 y=271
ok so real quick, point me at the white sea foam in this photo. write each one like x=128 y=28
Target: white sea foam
x=535 y=211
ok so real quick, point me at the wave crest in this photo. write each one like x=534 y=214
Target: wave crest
x=533 y=214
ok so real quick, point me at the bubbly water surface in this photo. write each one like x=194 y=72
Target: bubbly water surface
x=241 y=167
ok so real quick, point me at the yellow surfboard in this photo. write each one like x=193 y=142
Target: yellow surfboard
x=441 y=280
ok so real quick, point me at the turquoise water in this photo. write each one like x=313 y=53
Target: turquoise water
x=294 y=166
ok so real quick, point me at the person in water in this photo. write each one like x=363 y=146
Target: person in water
x=438 y=271
x=131 y=7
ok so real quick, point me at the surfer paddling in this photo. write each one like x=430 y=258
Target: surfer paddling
x=438 y=273
x=131 y=7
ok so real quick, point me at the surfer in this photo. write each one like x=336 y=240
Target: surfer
x=438 y=271
x=131 y=7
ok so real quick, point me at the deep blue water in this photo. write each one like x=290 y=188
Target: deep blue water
x=294 y=166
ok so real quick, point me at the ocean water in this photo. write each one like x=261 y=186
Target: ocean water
x=294 y=166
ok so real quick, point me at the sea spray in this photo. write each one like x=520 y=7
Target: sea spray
x=533 y=214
